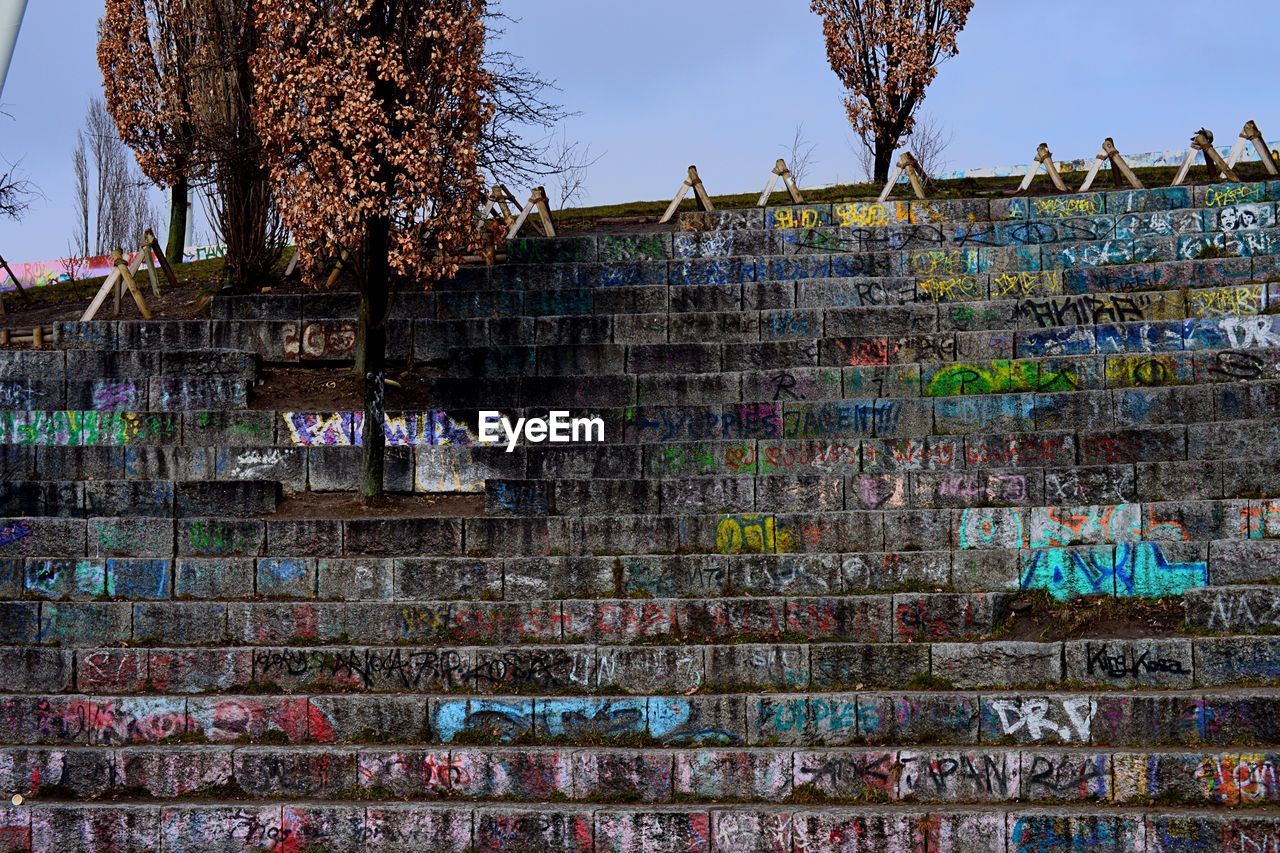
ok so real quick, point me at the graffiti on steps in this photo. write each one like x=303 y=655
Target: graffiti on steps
x=14 y=532
x=752 y=533
x=343 y=429
x=1031 y=716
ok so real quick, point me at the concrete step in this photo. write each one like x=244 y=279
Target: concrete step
x=502 y=359
x=1104 y=663
x=606 y=775
x=773 y=484
x=1227 y=459
x=1035 y=295
x=828 y=530
x=1060 y=374
x=145 y=498
x=945 y=412
x=1240 y=608
x=636 y=311
x=888 y=828
x=1126 y=570
x=1155 y=718
x=873 y=618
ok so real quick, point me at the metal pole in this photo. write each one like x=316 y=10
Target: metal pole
x=10 y=22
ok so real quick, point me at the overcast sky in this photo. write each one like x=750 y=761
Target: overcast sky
x=661 y=84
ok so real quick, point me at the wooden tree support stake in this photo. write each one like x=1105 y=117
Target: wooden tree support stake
x=26 y=298
x=500 y=201
x=150 y=236
x=909 y=164
x=537 y=201
x=1109 y=152
x=120 y=277
x=1251 y=134
x=693 y=182
x=1202 y=143
x=344 y=258
x=142 y=258
x=293 y=263
x=780 y=170
x=1043 y=156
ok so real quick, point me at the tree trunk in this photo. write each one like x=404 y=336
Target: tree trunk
x=362 y=338
x=883 y=159
x=246 y=206
x=374 y=301
x=177 y=242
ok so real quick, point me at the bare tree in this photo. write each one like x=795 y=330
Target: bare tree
x=929 y=141
x=16 y=192
x=518 y=146
x=800 y=155
x=862 y=156
x=109 y=186
x=80 y=166
x=572 y=162
x=74 y=264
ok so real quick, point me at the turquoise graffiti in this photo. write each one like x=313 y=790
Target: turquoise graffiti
x=1134 y=569
x=1098 y=550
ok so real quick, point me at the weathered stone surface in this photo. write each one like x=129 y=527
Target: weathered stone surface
x=997 y=663
x=867 y=665
x=1130 y=663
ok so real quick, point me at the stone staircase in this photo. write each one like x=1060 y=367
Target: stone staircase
x=863 y=465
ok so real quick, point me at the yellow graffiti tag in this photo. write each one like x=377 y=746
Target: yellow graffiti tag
x=752 y=533
x=861 y=215
x=1216 y=197
x=788 y=217
x=942 y=289
x=1048 y=283
x=1060 y=208
x=1224 y=301
x=1142 y=371
x=933 y=262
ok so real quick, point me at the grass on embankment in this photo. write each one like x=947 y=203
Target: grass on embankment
x=1152 y=178
x=208 y=273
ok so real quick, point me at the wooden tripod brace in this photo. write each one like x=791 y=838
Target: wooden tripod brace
x=909 y=164
x=1202 y=143
x=692 y=182
x=500 y=201
x=1109 y=152
x=1043 y=156
x=120 y=277
x=1251 y=134
x=537 y=201
x=151 y=246
x=780 y=170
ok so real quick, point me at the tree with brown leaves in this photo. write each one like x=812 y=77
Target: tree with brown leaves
x=180 y=88
x=886 y=53
x=145 y=51
x=371 y=112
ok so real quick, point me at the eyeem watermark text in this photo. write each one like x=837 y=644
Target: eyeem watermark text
x=558 y=428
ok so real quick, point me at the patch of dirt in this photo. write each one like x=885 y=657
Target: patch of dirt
x=188 y=301
x=1039 y=618
x=350 y=505
x=329 y=389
